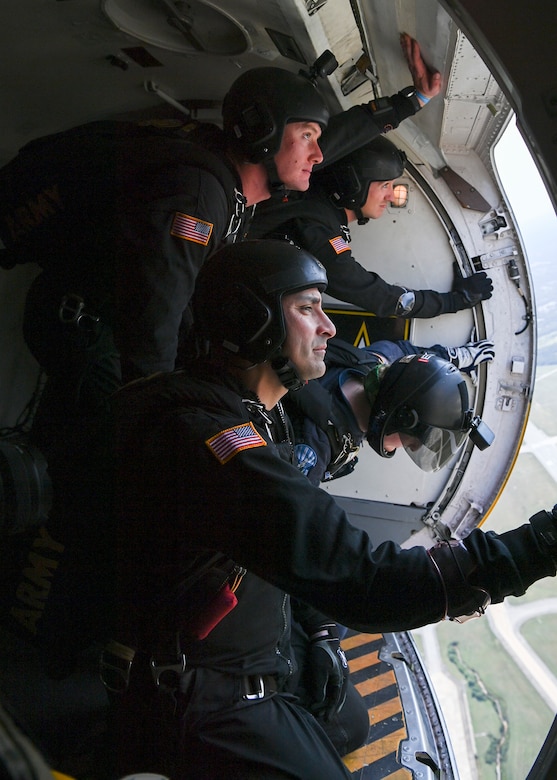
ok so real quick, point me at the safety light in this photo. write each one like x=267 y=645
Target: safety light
x=400 y=196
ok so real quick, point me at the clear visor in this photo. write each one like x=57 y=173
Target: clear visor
x=431 y=448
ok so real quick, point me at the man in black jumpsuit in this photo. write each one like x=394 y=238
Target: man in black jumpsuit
x=359 y=187
x=206 y=467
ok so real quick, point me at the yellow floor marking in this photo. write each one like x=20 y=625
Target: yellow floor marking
x=363 y=661
x=373 y=684
x=384 y=711
x=387 y=745
x=358 y=640
x=376 y=750
x=401 y=774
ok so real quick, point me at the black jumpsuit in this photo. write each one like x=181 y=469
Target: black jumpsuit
x=313 y=222
x=199 y=469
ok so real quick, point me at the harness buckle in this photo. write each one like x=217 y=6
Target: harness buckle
x=254 y=687
x=115 y=666
x=159 y=669
x=257 y=686
x=72 y=311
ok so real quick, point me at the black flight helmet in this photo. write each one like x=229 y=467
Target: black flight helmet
x=347 y=180
x=238 y=297
x=424 y=399
x=259 y=105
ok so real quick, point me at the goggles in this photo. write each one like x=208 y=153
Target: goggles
x=431 y=448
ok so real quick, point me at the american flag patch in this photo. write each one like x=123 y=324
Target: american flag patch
x=233 y=440
x=339 y=244
x=191 y=228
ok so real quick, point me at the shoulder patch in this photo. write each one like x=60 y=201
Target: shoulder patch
x=306 y=458
x=339 y=244
x=191 y=228
x=226 y=444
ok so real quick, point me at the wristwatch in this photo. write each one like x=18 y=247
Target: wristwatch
x=410 y=93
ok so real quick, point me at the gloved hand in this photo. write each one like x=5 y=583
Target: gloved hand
x=473 y=289
x=327 y=672
x=469 y=356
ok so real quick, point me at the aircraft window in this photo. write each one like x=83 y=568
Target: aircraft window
x=400 y=196
x=496 y=678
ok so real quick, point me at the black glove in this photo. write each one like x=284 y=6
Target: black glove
x=545 y=525
x=327 y=672
x=473 y=289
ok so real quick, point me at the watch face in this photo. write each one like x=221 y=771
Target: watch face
x=410 y=93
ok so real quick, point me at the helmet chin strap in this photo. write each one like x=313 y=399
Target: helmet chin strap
x=275 y=184
x=361 y=219
x=286 y=372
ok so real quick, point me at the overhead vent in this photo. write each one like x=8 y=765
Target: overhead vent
x=179 y=26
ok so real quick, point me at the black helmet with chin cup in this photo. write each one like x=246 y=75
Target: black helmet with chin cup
x=347 y=180
x=424 y=399
x=237 y=302
x=259 y=105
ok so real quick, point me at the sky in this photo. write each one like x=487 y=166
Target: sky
x=527 y=195
x=537 y=223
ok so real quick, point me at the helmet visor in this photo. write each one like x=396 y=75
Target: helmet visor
x=431 y=448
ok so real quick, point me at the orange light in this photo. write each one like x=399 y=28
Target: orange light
x=400 y=196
